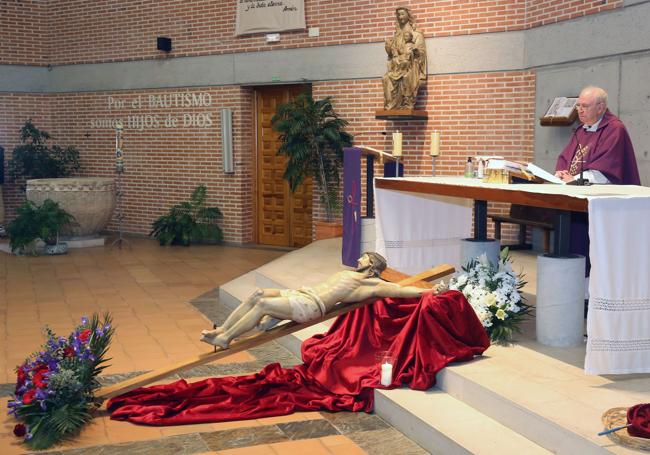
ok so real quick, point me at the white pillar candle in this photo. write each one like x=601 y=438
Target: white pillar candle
x=386 y=374
x=435 y=143
x=397 y=144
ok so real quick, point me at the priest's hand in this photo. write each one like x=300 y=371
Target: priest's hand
x=564 y=175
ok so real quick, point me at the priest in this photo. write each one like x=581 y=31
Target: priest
x=601 y=147
x=600 y=151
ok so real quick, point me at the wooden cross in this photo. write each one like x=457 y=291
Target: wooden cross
x=251 y=341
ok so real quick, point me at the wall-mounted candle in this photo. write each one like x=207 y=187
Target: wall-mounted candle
x=397 y=144
x=386 y=374
x=435 y=143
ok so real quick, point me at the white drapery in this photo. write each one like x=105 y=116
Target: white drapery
x=419 y=231
x=618 y=323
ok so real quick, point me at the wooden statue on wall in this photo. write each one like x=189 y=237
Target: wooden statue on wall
x=406 y=68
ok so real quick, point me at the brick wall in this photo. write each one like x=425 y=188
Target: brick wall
x=77 y=31
x=477 y=114
x=163 y=163
x=542 y=12
x=24 y=32
x=15 y=109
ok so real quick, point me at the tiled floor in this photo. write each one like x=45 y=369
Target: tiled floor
x=148 y=290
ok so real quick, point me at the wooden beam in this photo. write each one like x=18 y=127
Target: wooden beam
x=421 y=280
x=248 y=342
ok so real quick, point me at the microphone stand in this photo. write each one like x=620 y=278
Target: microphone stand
x=581 y=181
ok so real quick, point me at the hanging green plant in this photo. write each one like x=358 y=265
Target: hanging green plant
x=312 y=138
x=189 y=222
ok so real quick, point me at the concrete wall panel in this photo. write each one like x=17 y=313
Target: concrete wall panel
x=19 y=78
x=614 y=32
x=635 y=108
x=180 y=72
x=359 y=61
x=476 y=53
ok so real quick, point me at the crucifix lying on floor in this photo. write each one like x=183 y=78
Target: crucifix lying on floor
x=361 y=287
x=267 y=307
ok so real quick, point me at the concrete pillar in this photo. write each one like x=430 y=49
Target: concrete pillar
x=471 y=249
x=560 y=300
x=368 y=234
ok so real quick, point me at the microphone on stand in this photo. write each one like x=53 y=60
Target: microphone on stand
x=581 y=181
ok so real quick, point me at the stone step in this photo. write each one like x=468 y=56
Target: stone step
x=436 y=420
x=545 y=399
x=416 y=414
x=234 y=292
x=526 y=392
x=443 y=424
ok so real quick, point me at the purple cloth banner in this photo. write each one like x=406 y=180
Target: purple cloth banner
x=351 y=206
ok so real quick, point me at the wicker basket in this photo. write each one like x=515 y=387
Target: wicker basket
x=617 y=417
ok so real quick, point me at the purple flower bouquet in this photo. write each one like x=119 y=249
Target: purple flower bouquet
x=54 y=388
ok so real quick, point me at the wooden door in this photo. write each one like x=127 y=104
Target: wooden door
x=283 y=219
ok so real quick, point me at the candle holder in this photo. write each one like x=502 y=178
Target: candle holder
x=119 y=170
x=434 y=150
x=386 y=361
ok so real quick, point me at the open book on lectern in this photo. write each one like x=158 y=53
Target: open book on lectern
x=521 y=167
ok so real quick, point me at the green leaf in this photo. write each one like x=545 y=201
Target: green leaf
x=190 y=221
x=312 y=138
x=34 y=159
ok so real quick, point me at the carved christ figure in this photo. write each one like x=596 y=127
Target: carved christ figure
x=266 y=307
x=407 y=63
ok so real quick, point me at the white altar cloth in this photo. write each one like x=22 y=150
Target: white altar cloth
x=618 y=322
x=415 y=232
x=410 y=228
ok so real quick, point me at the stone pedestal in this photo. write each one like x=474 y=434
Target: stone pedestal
x=559 y=313
x=471 y=249
x=90 y=200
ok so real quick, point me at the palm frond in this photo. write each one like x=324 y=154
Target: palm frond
x=312 y=138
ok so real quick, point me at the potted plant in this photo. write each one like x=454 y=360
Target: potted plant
x=34 y=159
x=189 y=222
x=47 y=169
x=35 y=222
x=312 y=138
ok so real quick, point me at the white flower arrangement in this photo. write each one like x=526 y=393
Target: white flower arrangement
x=494 y=294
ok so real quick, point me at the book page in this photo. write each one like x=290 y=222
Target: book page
x=542 y=174
x=566 y=108
x=557 y=104
x=505 y=165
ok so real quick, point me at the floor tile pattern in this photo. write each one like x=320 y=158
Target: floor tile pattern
x=161 y=298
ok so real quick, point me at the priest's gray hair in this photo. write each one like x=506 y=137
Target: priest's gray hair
x=600 y=95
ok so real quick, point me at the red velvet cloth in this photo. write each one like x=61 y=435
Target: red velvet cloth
x=639 y=418
x=340 y=368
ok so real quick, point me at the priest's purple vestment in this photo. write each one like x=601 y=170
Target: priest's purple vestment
x=610 y=151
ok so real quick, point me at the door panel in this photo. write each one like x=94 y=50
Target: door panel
x=283 y=219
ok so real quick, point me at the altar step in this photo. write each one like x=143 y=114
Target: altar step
x=524 y=398
x=438 y=422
